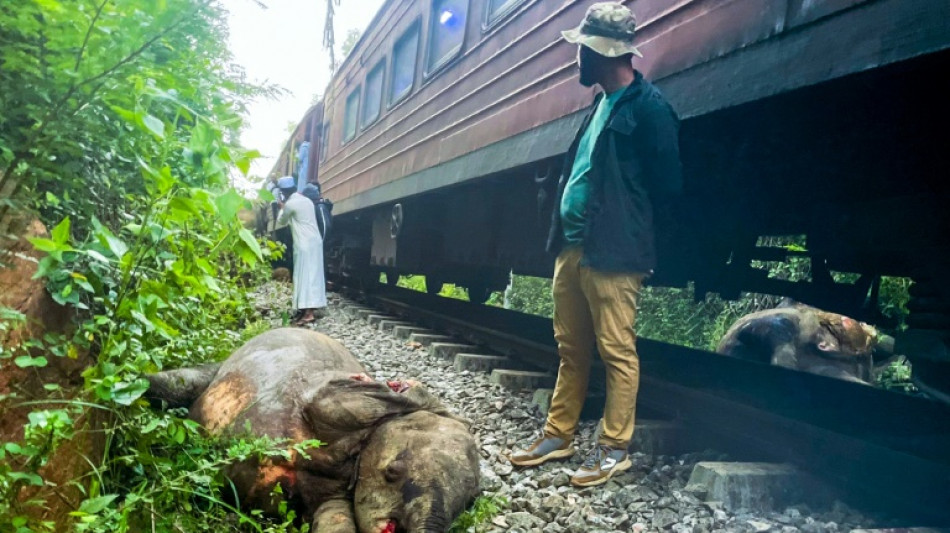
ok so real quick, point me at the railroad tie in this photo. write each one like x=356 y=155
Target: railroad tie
x=521 y=379
x=448 y=350
x=404 y=332
x=376 y=318
x=479 y=363
x=760 y=487
x=426 y=339
x=389 y=325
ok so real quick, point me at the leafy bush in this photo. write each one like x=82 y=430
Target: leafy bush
x=118 y=125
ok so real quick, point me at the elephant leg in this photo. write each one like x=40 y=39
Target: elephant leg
x=181 y=387
x=334 y=516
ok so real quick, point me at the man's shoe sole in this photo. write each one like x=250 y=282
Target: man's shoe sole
x=619 y=467
x=556 y=454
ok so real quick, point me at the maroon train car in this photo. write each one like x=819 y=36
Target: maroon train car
x=817 y=118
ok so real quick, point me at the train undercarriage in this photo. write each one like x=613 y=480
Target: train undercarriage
x=855 y=166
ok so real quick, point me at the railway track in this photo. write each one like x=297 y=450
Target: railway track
x=878 y=450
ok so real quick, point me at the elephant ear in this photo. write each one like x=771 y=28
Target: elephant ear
x=349 y=405
x=181 y=387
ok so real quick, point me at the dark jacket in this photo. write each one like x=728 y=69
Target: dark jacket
x=635 y=167
x=323 y=208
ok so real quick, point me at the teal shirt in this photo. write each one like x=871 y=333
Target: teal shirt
x=577 y=189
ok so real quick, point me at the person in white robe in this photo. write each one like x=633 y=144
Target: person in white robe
x=310 y=292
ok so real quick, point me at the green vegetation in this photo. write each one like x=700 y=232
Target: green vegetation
x=478 y=517
x=418 y=283
x=674 y=315
x=118 y=128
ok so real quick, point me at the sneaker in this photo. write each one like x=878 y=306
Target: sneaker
x=543 y=450
x=602 y=463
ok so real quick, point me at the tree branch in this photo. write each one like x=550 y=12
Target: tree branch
x=140 y=50
x=85 y=41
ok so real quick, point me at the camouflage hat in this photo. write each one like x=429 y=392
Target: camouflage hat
x=607 y=29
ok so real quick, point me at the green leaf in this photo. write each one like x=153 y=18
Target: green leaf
x=97 y=256
x=125 y=114
x=44 y=245
x=251 y=242
x=229 y=204
x=96 y=505
x=124 y=393
x=109 y=240
x=244 y=162
x=30 y=478
x=60 y=233
x=264 y=195
x=154 y=125
x=186 y=205
x=26 y=361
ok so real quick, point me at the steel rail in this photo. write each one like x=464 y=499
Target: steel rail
x=883 y=450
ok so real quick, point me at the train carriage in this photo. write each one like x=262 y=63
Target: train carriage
x=817 y=118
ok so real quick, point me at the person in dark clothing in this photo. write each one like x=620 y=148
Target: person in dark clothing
x=322 y=206
x=623 y=163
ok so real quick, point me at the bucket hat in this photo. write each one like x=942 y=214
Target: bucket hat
x=607 y=29
x=286 y=182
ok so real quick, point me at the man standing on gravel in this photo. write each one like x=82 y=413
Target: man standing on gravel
x=310 y=290
x=623 y=161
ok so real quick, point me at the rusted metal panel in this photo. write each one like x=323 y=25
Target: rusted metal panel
x=533 y=145
x=705 y=31
x=706 y=55
x=805 y=11
x=872 y=35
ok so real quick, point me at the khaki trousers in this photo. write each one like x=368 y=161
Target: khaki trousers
x=594 y=308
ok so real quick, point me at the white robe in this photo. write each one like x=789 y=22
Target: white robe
x=310 y=289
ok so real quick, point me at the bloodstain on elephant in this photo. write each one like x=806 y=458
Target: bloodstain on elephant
x=808 y=339
x=394 y=458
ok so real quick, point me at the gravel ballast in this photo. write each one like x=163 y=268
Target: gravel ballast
x=648 y=497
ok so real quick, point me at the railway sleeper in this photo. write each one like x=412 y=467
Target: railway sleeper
x=752 y=486
x=448 y=350
x=517 y=380
x=426 y=339
x=389 y=325
x=375 y=319
x=405 y=332
x=480 y=363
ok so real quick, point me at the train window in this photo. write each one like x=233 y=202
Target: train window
x=404 y=64
x=350 y=115
x=499 y=9
x=324 y=140
x=446 y=32
x=373 y=100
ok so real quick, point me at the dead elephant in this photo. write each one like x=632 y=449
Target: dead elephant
x=394 y=458
x=805 y=338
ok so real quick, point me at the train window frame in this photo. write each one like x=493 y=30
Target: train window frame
x=450 y=56
x=492 y=19
x=324 y=141
x=381 y=67
x=392 y=98
x=357 y=92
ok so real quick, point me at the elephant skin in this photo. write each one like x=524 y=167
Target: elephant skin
x=394 y=459
x=808 y=339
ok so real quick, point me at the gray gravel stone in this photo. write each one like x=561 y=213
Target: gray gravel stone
x=649 y=497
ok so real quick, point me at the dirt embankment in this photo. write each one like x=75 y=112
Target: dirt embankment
x=19 y=291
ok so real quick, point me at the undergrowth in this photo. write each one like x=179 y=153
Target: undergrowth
x=478 y=517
